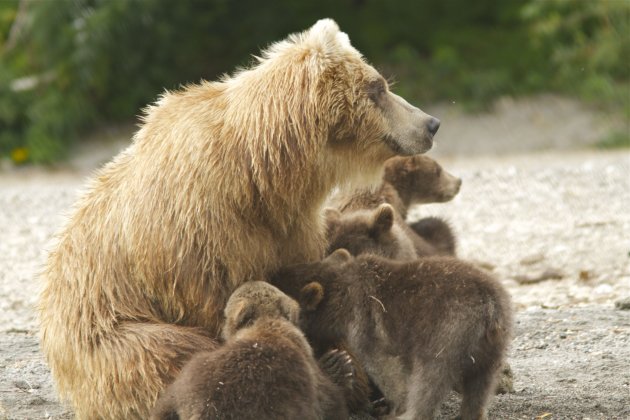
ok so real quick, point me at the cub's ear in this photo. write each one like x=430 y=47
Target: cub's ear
x=340 y=256
x=311 y=296
x=331 y=215
x=332 y=221
x=394 y=169
x=290 y=309
x=244 y=314
x=397 y=163
x=383 y=219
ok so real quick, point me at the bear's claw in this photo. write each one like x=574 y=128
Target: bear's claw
x=337 y=364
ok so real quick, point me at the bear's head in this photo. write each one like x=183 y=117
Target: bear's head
x=314 y=103
x=321 y=291
x=370 y=231
x=256 y=300
x=420 y=179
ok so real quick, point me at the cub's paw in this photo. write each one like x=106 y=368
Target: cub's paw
x=337 y=364
x=505 y=384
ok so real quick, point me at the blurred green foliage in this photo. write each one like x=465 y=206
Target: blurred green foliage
x=71 y=65
x=588 y=44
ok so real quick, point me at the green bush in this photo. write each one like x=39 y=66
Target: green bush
x=616 y=139
x=588 y=44
x=82 y=63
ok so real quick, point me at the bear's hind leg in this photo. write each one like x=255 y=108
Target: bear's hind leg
x=122 y=375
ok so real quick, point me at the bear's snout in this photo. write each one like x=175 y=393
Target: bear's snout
x=452 y=188
x=433 y=125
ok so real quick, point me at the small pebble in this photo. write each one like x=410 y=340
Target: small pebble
x=603 y=289
x=532 y=259
x=25 y=385
x=38 y=401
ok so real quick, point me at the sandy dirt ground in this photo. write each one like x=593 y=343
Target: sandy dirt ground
x=552 y=222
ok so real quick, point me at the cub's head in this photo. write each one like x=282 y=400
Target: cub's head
x=321 y=290
x=371 y=231
x=420 y=179
x=255 y=300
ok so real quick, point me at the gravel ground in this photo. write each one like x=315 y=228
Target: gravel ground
x=564 y=216
x=553 y=226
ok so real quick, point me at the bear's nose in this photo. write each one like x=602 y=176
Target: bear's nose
x=433 y=125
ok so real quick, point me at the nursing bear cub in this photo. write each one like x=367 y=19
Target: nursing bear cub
x=265 y=370
x=420 y=328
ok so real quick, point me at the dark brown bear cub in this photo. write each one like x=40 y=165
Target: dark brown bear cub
x=370 y=231
x=265 y=369
x=421 y=328
x=419 y=180
x=408 y=181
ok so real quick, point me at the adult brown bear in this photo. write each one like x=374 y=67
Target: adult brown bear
x=223 y=184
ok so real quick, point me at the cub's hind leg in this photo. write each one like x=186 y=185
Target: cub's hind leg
x=428 y=387
x=478 y=387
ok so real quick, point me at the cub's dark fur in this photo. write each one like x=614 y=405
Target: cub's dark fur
x=420 y=328
x=370 y=231
x=265 y=369
x=407 y=181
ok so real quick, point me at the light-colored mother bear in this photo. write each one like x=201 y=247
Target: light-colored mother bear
x=223 y=184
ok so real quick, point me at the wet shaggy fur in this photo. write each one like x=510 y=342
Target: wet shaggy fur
x=205 y=199
x=265 y=370
x=406 y=181
x=421 y=328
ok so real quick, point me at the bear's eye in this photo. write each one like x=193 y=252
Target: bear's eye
x=376 y=90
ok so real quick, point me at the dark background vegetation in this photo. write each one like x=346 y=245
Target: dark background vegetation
x=71 y=66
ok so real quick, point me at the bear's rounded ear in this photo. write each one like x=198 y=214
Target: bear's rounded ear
x=383 y=219
x=324 y=32
x=325 y=26
x=311 y=296
x=340 y=256
x=326 y=36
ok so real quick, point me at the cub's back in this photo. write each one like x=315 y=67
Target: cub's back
x=436 y=301
x=263 y=375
